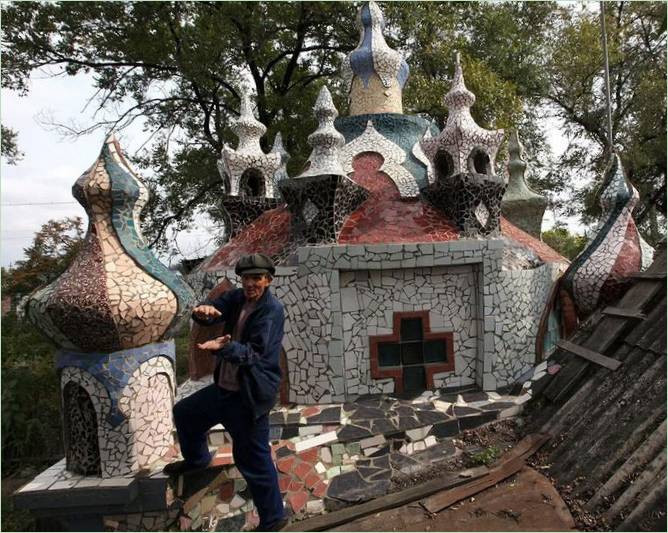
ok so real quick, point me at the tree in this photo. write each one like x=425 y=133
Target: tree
x=636 y=34
x=9 y=148
x=179 y=64
x=52 y=250
x=564 y=242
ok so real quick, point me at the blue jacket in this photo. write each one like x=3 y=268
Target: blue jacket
x=257 y=352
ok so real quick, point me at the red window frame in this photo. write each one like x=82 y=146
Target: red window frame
x=378 y=372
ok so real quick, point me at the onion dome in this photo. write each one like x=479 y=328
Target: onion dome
x=115 y=294
x=374 y=73
x=601 y=272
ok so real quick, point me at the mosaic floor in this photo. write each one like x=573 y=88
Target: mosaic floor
x=327 y=456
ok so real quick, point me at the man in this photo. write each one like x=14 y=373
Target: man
x=245 y=385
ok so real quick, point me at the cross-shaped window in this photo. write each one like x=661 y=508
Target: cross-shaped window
x=412 y=354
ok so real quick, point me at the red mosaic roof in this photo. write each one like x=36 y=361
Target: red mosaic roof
x=268 y=234
x=543 y=251
x=383 y=218
x=387 y=218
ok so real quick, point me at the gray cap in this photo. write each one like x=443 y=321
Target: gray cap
x=254 y=264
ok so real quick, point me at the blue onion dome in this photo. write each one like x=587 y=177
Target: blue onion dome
x=373 y=55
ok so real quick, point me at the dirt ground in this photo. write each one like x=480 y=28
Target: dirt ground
x=524 y=502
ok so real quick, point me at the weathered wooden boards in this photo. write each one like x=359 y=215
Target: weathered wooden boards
x=330 y=520
x=624 y=313
x=509 y=464
x=610 y=329
x=589 y=355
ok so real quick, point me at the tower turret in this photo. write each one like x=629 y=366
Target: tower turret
x=374 y=73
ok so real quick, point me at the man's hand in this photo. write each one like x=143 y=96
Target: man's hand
x=214 y=344
x=206 y=312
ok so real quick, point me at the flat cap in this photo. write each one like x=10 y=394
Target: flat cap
x=254 y=264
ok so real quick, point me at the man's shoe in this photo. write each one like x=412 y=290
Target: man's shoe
x=181 y=467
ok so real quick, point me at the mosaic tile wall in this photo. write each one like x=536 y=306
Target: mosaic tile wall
x=518 y=303
x=369 y=298
x=319 y=332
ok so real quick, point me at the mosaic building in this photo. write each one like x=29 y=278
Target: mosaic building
x=397 y=270
x=110 y=313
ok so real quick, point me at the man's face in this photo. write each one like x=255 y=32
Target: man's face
x=254 y=285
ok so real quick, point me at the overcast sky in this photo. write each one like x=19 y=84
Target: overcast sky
x=38 y=188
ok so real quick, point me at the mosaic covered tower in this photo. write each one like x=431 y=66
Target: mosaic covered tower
x=322 y=196
x=521 y=205
x=111 y=313
x=375 y=74
x=463 y=156
x=249 y=175
x=600 y=273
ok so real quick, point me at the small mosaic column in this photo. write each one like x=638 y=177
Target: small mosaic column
x=374 y=73
x=521 y=205
x=250 y=175
x=110 y=314
x=322 y=196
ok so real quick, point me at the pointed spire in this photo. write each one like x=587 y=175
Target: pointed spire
x=374 y=73
x=246 y=127
x=249 y=154
x=326 y=141
x=459 y=97
x=278 y=148
x=521 y=205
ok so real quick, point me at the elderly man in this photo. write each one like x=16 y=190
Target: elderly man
x=245 y=385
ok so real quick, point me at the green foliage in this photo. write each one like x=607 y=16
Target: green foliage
x=52 y=250
x=636 y=34
x=9 y=148
x=567 y=244
x=31 y=422
x=487 y=456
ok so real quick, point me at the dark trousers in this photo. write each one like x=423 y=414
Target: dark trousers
x=199 y=412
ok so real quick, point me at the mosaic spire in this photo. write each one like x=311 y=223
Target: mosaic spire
x=469 y=147
x=110 y=313
x=326 y=141
x=600 y=273
x=278 y=148
x=249 y=171
x=521 y=205
x=374 y=73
